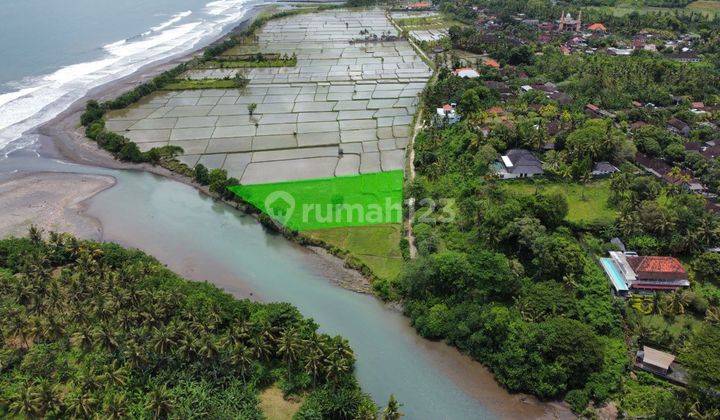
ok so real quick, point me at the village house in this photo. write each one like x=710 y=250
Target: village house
x=628 y=272
x=491 y=63
x=447 y=115
x=466 y=73
x=685 y=57
x=595 y=111
x=637 y=124
x=501 y=87
x=711 y=152
x=661 y=364
x=518 y=163
x=422 y=5
x=693 y=146
x=678 y=127
x=597 y=27
x=603 y=169
x=619 y=51
x=697 y=107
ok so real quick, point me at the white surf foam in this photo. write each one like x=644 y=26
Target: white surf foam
x=39 y=99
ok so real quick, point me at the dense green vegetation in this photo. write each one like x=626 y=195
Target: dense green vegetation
x=237 y=82
x=93 y=329
x=254 y=61
x=508 y=272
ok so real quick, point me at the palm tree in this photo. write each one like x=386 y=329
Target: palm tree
x=238 y=334
x=314 y=363
x=676 y=302
x=392 y=411
x=712 y=315
x=207 y=349
x=23 y=403
x=336 y=367
x=46 y=397
x=81 y=404
x=115 y=374
x=18 y=328
x=261 y=347
x=35 y=234
x=163 y=340
x=159 y=402
x=115 y=408
x=104 y=336
x=134 y=354
x=290 y=345
x=242 y=359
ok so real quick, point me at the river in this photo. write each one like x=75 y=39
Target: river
x=203 y=239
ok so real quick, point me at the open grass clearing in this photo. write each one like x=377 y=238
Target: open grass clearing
x=274 y=405
x=586 y=203
x=377 y=246
x=243 y=64
x=707 y=7
x=312 y=204
x=188 y=84
x=428 y=22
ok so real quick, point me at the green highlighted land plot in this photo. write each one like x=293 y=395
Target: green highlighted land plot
x=314 y=204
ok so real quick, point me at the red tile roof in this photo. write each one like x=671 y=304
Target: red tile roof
x=420 y=5
x=665 y=268
x=491 y=63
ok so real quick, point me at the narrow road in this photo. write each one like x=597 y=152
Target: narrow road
x=412 y=249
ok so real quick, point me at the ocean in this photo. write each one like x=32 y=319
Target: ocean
x=52 y=52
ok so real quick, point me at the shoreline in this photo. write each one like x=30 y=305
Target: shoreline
x=63 y=138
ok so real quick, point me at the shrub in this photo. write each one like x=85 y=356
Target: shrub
x=578 y=400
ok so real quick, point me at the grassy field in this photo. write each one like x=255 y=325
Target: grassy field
x=312 y=204
x=428 y=22
x=275 y=406
x=587 y=204
x=242 y=64
x=706 y=7
x=377 y=246
x=201 y=84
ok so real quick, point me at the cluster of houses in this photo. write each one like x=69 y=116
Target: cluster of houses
x=551 y=92
x=683 y=178
x=628 y=272
x=680 y=49
x=521 y=163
